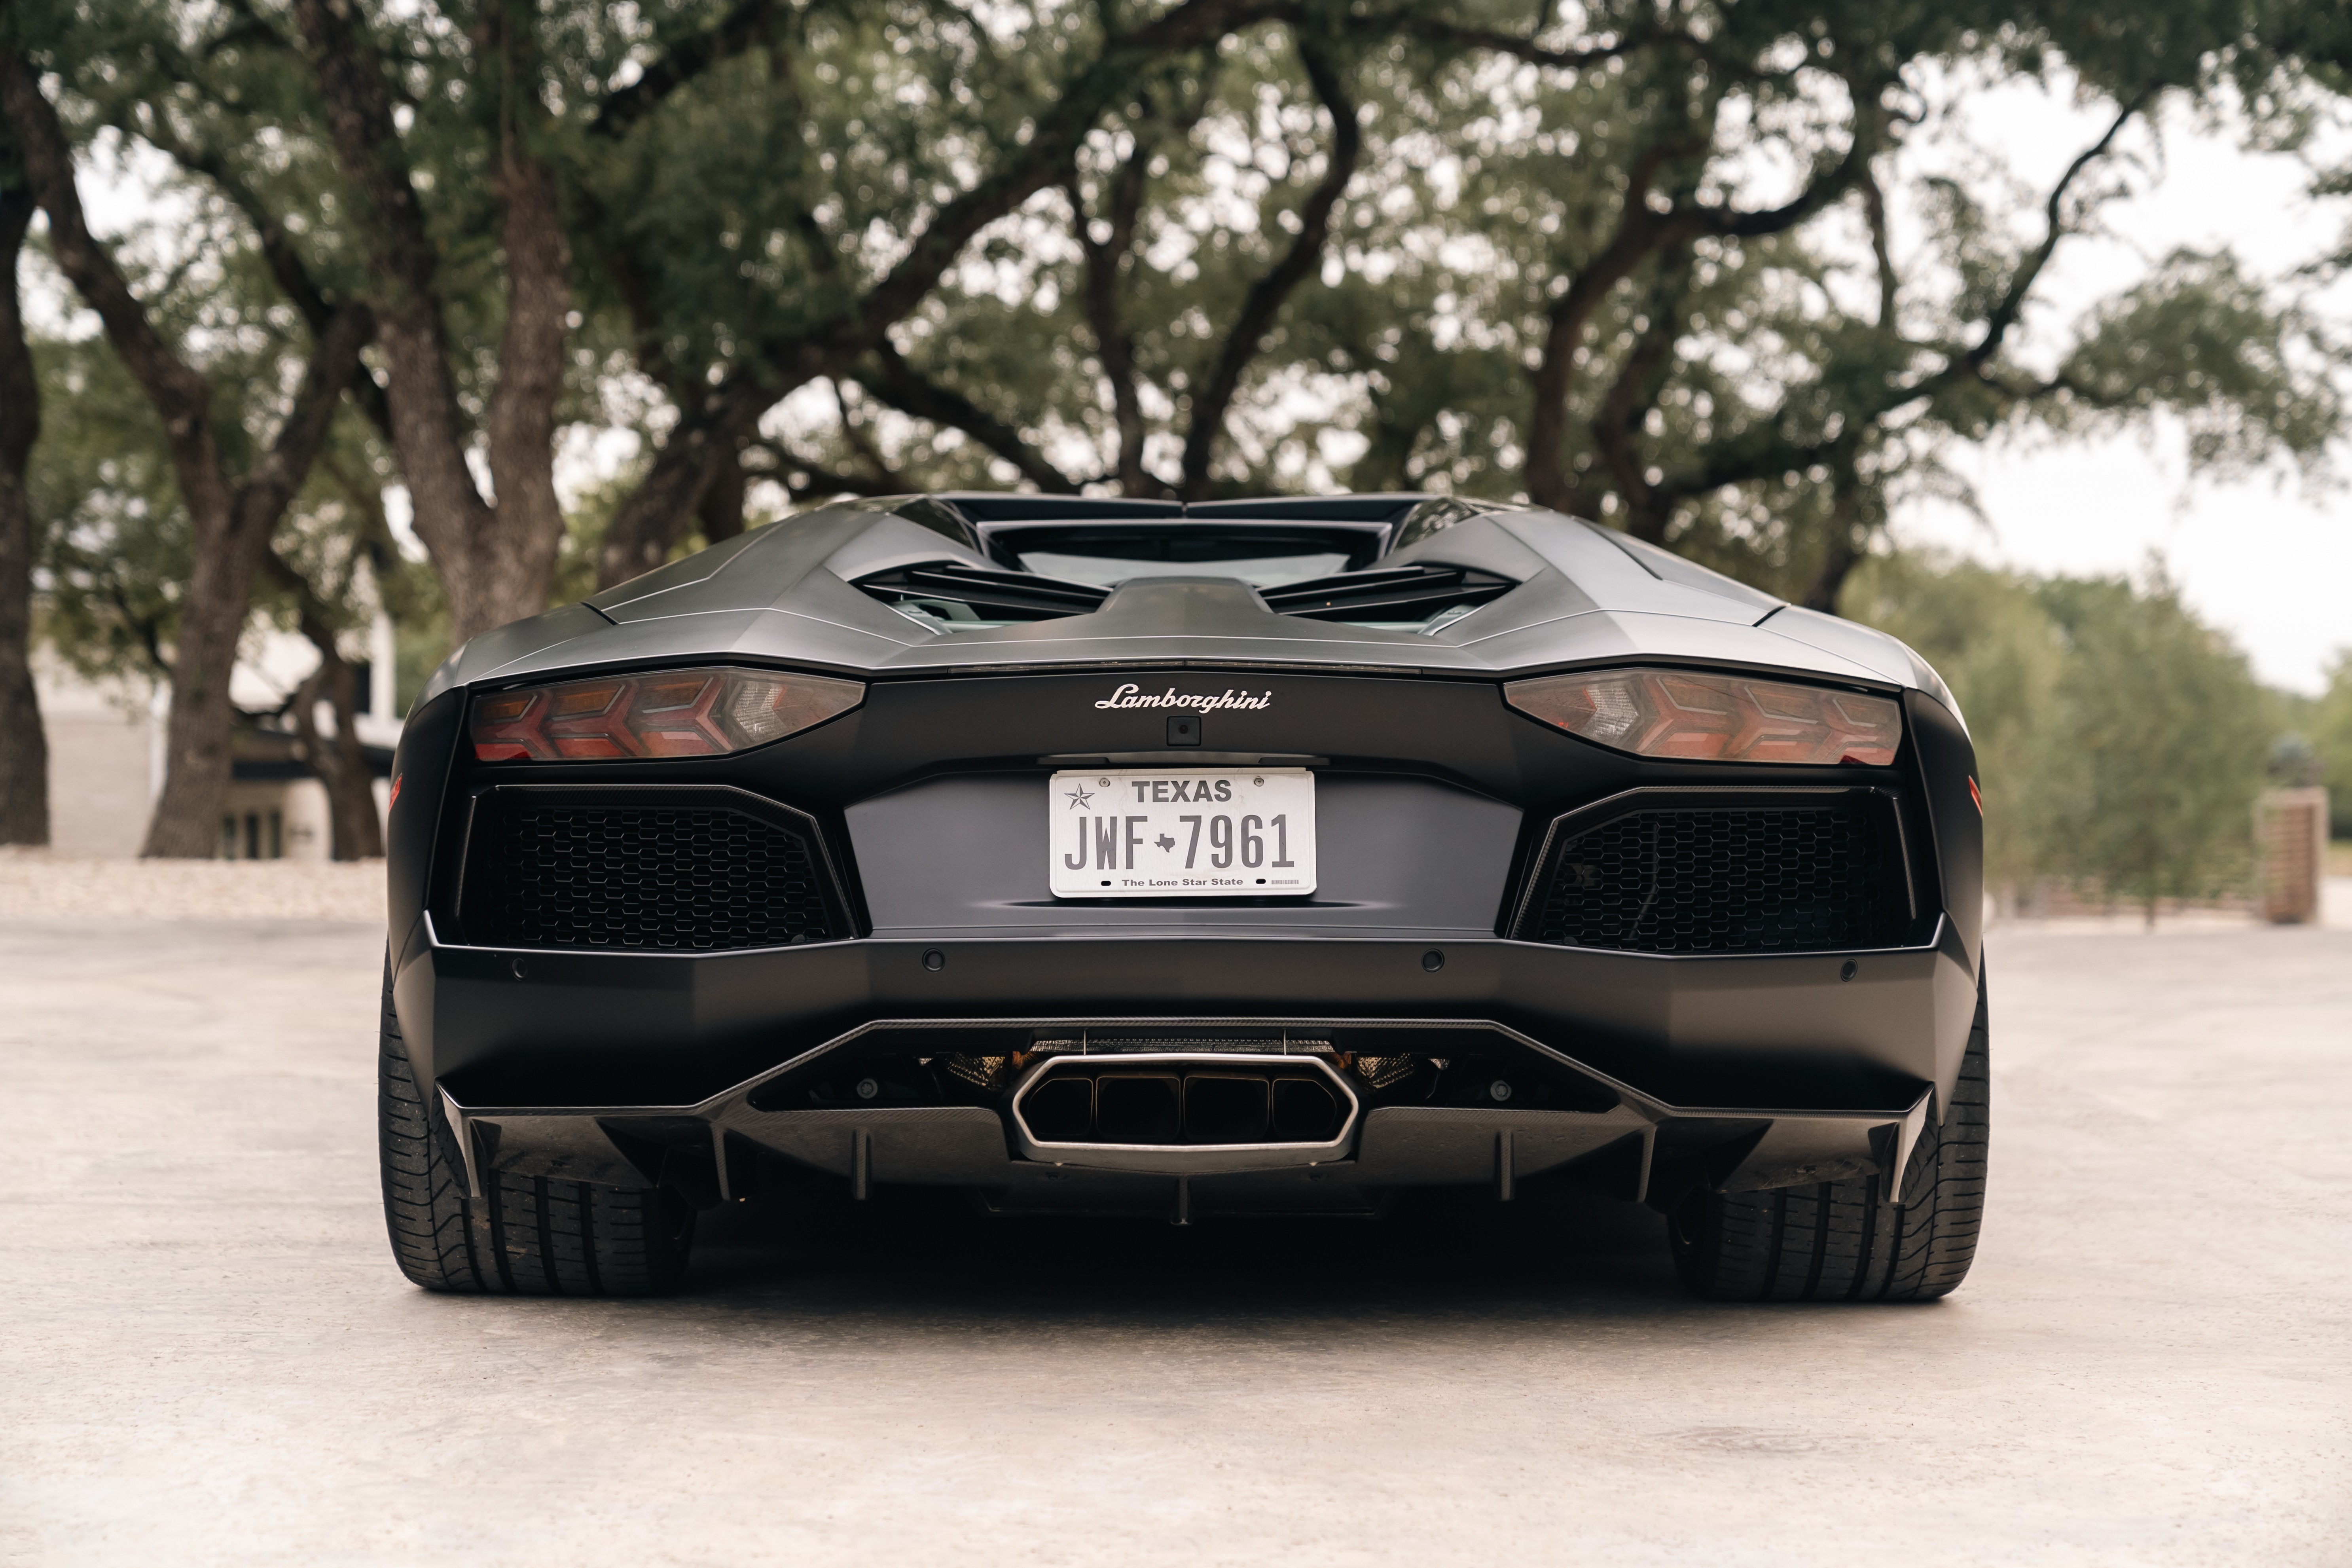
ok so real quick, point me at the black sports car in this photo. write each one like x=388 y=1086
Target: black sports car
x=1256 y=857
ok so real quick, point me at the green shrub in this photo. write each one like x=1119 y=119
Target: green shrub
x=2120 y=740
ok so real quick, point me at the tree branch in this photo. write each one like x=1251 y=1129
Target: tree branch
x=1429 y=29
x=723 y=418
x=1114 y=344
x=1626 y=407
x=1874 y=207
x=146 y=628
x=178 y=390
x=265 y=494
x=1641 y=231
x=738 y=32
x=2004 y=315
x=1266 y=298
x=1038 y=164
x=816 y=479
x=279 y=252
x=1842 y=550
x=1749 y=460
x=905 y=389
x=682 y=469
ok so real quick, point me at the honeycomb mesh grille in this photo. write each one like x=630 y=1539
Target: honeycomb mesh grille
x=642 y=879
x=1792 y=878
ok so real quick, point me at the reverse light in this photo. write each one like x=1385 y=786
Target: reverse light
x=660 y=713
x=1713 y=717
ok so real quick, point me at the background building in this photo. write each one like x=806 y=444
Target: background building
x=106 y=751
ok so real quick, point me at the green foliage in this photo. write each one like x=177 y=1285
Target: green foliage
x=106 y=511
x=2331 y=736
x=2159 y=737
x=2120 y=742
x=1989 y=637
x=2203 y=341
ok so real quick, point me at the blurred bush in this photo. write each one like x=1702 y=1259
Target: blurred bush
x=2120 y=740
x=2331 y=737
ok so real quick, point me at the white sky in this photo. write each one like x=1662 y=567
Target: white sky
x=2263 y=560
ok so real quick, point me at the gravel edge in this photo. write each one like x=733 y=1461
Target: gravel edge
x=36 y=884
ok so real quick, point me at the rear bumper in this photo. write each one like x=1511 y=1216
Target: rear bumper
x=1764 y=1070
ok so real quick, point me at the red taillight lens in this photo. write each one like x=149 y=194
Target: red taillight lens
x=1715 y=718
x=664 y=713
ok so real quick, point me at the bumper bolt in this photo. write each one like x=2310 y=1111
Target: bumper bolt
x=867 y=1089
x=1498 y=1091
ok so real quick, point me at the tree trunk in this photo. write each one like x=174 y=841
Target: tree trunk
x=1845 y=554
x=198 y=735
x=24 y=749
x=495 y=562
x=1842 y=550
x=657 y=512
x=230 y=542
x=519 y=545
x=354 y=830
x=1549 y=482
x=721 y=508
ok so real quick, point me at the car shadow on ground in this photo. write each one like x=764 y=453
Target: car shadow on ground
x=1444 y=1252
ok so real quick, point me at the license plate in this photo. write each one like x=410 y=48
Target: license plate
x=1182 y=833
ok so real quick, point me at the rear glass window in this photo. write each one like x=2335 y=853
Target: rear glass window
x=1257 y=571
x=1264 y=557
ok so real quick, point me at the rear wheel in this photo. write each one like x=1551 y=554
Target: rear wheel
x=1842 y=1241
x=528 y=1236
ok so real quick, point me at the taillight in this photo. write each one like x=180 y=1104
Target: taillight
x=1715 y=718
x=660 y=713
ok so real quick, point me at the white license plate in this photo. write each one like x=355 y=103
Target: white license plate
x=1182 y=833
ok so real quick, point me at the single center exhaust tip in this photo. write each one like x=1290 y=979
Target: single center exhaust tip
x=1184 y=1112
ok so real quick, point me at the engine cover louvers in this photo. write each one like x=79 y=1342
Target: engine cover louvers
x=990 y=595
x=1388 y=594
x=1412 y=595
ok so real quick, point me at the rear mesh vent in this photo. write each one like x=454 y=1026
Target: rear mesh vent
x=1797 y=878
x=640 y=878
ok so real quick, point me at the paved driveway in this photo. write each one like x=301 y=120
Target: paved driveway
x=206 y=1357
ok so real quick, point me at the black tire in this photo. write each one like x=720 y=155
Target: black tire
x=530 y=1235
x=1839 y=1241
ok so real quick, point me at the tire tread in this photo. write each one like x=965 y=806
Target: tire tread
x=528 y=1236
x=1842 y=1240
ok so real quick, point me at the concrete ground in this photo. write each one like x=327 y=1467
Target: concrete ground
x=207 y=1356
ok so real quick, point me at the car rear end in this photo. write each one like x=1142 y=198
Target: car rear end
x=1523 y=952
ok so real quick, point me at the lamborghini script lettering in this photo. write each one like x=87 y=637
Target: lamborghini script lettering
x=1131 y=696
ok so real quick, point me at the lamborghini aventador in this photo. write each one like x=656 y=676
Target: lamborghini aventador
x=1273 y=858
